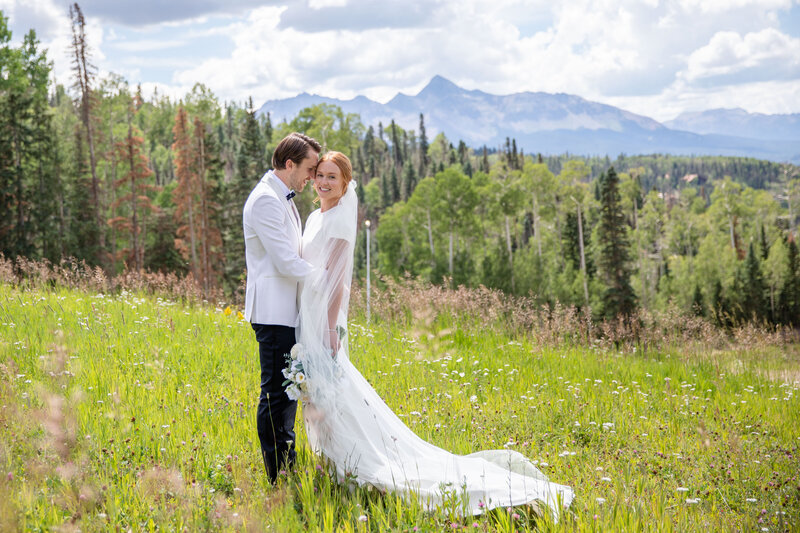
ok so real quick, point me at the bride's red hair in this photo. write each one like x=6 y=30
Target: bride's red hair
x=341 y=161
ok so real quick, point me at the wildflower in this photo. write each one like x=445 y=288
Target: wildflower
x=515 y=516
x=481 y=505
x=227 y=311
x=692 y=500
x=605 y=479
x=362 y=518
x=239 y=315
x=682 y=489
x=601 y=501
x=751 y=500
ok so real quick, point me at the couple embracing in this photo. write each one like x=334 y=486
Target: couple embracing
x=298 y=286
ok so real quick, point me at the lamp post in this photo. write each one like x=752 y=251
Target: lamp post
x=366 y=223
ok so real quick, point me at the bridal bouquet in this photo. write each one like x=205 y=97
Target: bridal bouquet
x=296 y=384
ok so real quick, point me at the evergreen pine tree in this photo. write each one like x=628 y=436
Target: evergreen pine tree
x=395 y=185
x=463 y=153
x=497 y=268
x=514 y=159
x=789 y=300
x=409 y=180
x=209 y=171
x=44 y=182
x=423 y=148
x=397 y=149
x=719 y=306
x=618 y=297
x=753 y=299
x=764 y=244
x=82 y=230
x=250 y=166
x=468 y=170
x=571 y=248
x=386 y=191
x=15 y=141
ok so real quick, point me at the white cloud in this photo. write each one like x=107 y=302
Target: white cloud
x=654 y=57
x=733 y=58
x=719 y=6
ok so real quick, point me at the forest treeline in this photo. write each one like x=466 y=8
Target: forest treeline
x=97 y=172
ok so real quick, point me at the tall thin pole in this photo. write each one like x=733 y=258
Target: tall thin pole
x=366 y=223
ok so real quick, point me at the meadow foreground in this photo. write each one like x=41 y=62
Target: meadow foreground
x=128 y=411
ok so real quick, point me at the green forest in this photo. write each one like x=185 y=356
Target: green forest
x=94 y=172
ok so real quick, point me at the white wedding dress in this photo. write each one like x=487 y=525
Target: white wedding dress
x=349 y=424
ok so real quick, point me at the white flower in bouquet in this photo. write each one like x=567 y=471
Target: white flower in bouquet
x=296 y=352
x=299 y=378
x=293 y=393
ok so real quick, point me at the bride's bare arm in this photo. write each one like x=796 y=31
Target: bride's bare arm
x=336 y=269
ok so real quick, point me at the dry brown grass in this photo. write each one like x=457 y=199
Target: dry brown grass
x=410 y=301
x=74 y=274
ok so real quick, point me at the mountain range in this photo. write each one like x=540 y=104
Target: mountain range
x=563 y=123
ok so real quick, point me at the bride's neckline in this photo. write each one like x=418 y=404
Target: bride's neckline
x=331 y=209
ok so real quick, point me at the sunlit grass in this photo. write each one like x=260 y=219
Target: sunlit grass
x=134 y=412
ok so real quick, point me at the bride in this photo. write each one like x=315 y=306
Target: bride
x=346 y=420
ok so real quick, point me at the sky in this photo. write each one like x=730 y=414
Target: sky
x=657 y=58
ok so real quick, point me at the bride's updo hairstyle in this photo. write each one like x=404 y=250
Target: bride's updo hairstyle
x=341 y=161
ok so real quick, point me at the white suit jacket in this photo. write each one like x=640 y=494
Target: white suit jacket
x=272 y=238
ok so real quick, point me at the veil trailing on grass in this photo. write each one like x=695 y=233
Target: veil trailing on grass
x=351 y=426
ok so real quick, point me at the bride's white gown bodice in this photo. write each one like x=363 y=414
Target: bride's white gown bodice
x=349 y=424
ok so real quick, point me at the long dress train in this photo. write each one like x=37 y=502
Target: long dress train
x=349 y=424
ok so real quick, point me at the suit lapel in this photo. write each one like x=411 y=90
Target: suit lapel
x=271 y=180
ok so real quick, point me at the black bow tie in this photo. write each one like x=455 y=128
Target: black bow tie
x=290 y=195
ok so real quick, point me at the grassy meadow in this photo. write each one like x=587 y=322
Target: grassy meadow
x=128 y=411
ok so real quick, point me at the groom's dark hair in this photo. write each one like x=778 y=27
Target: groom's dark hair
x=294 y=146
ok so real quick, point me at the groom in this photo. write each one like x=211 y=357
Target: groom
x=272 y=236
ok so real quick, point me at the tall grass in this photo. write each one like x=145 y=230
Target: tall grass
x=131 y=409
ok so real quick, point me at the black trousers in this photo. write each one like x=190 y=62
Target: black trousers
x=276 y=412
